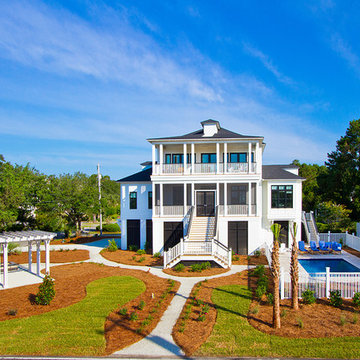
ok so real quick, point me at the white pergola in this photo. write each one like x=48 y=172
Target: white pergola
x=29 y=238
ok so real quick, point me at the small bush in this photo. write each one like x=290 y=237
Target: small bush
x=342 y=320
x=263 y=281
x=300 y=323
x=12 y=312
x=255 y=310
x=196 y=268
x=123 y=311
x=142 y=259
x=283 y=313
x=112 y=246
x=356 y=299
x=157 y=255
x=179 y=267
x=259 y=271
x=181 y=329
x=133 y=248
x=46 y=291
x=205 y=265
x=355 y=319
x=112 y=228
x=270 y=298
x=257 y=253
x=133 y=257
x=12 y=249
x=141 y=305
x=308 y=297
x=260 y=291
x=335 y=298
x=235 y=258
x=141 y=252
x=134 y=316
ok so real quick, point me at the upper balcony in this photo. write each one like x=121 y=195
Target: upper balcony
x=205 y=168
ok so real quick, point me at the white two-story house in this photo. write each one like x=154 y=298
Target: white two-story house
x=207 y=193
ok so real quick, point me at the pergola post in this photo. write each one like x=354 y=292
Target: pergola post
x=30 y=255
x=5 y=254
x=38 y=243
x=47 y=257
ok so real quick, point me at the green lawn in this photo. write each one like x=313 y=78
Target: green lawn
x=75 y=330
x=234 y=336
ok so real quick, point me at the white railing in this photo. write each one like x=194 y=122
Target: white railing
x=268 y=251
x=170 y=210
x=209 y=248
x=306 y=225
x=237 y=210
x=347 y=239
x=205 y=168
x=322 y=283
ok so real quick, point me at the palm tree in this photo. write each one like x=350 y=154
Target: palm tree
x=275 y=270
x=294 y=269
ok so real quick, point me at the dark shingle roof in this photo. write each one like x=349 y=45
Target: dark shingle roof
x=277 y=172
x=199 y=134
x=140 y=176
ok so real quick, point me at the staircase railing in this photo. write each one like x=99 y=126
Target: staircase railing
x=216 y=221
x=189 y=216
x=306 y=225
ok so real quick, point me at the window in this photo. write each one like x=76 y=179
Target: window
x=208 y=158
x=281 y=196
x=150 y=200
x=177 y=158
x=238 y=194
x=167 y=158
x=239 y=157
x=133 y=200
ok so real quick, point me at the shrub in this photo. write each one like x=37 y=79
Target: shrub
x=257 y=253
x=356 y=299
x=342 y=320
x=133 y=248
x=123 y=311
x=283 y=313
x=263 y=281
x=259 y=271
x=46 y=291
x=179 y=267
x=308 y=297
x=260 y=291
x=196 y=268
x=270 y=298
x=355 y=319
x=141 y=305
x=235 y=258
x=142 y=259
x=300 y=323
x=109 y=228
x=133 y=316
x=205 y=265
x=255 y=310
x=13 y=249
x=141 y=252
x=112 y=246
x=157 y=255
x=12 y=312
x=335 y=298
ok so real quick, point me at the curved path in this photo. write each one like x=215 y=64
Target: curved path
x=159 y=343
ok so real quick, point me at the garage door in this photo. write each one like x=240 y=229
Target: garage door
x=133 y=233
x=238 y=236
x=173 y=232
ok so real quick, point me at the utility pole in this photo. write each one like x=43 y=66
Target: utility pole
x=99 y=184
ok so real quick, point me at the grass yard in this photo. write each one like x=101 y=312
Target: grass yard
x=234 y=336
x=74 y=330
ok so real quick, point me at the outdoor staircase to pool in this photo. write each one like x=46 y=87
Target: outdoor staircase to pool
x=199 y=244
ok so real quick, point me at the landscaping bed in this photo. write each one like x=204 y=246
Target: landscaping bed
x=187 y=272
x=352 y=251
x=56 y=256
x=84 y=239
x=249 y=260
x=132 y=258
x=70 y=286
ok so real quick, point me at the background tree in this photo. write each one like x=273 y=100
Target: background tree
x=294 y=269
x=333 y=217
x=275 y=270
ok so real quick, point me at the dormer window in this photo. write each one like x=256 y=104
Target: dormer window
x=210 y=127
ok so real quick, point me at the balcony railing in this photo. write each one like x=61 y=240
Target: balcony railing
x=237 y=210
x=200 y=168
x=171 y=210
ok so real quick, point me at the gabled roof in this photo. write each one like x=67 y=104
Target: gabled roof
x=141 y=176
x=277 y=172
x=199 y=134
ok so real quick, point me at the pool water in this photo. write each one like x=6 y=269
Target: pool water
x=320 y=265
x=103 y=243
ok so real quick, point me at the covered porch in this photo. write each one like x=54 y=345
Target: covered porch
x=25 y=238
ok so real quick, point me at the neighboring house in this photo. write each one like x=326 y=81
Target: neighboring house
x=207 y=192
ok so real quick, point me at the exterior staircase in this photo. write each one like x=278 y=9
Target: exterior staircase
x=311 y=229
x=202 y=229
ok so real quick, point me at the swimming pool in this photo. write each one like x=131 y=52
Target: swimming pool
x=320 y=265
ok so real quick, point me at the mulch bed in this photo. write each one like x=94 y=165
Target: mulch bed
x=70 y=287
x=84 y=239
x=131 y=258
x=188 y=273
x=195 y=331
x=352 y=251
x=56 y=256
x=250 y=260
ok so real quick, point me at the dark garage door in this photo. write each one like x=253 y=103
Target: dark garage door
x=238 y=236
x=173 y=232
x=149 y=244
x=133 y=233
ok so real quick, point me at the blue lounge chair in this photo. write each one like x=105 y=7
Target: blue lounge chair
x=313 y=246
x=323 y=246
x=328 y=245
x=336 y=246
x=302 y=246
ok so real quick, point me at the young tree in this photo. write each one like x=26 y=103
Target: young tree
x=333 y=217
x=275 y=270
x=294 y=269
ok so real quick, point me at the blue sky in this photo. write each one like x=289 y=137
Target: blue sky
x=83 y=82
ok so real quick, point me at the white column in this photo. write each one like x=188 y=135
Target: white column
x=153 y=198
x=249 y=198
x=225 y=199
x=38 y=243
x=217 y=194
x=225 y=158
x=153 y=158
x=5 y=254
x=192 y=194
x=185 y=198
x=193 y=159
x=47 y=257
x=217 y=158
x=327 y=284
x=161 y=199
x=185 y=159
x=258 y=199
x=161 y=158
x=257 y=155
x=30 y=255
x=249 y=158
